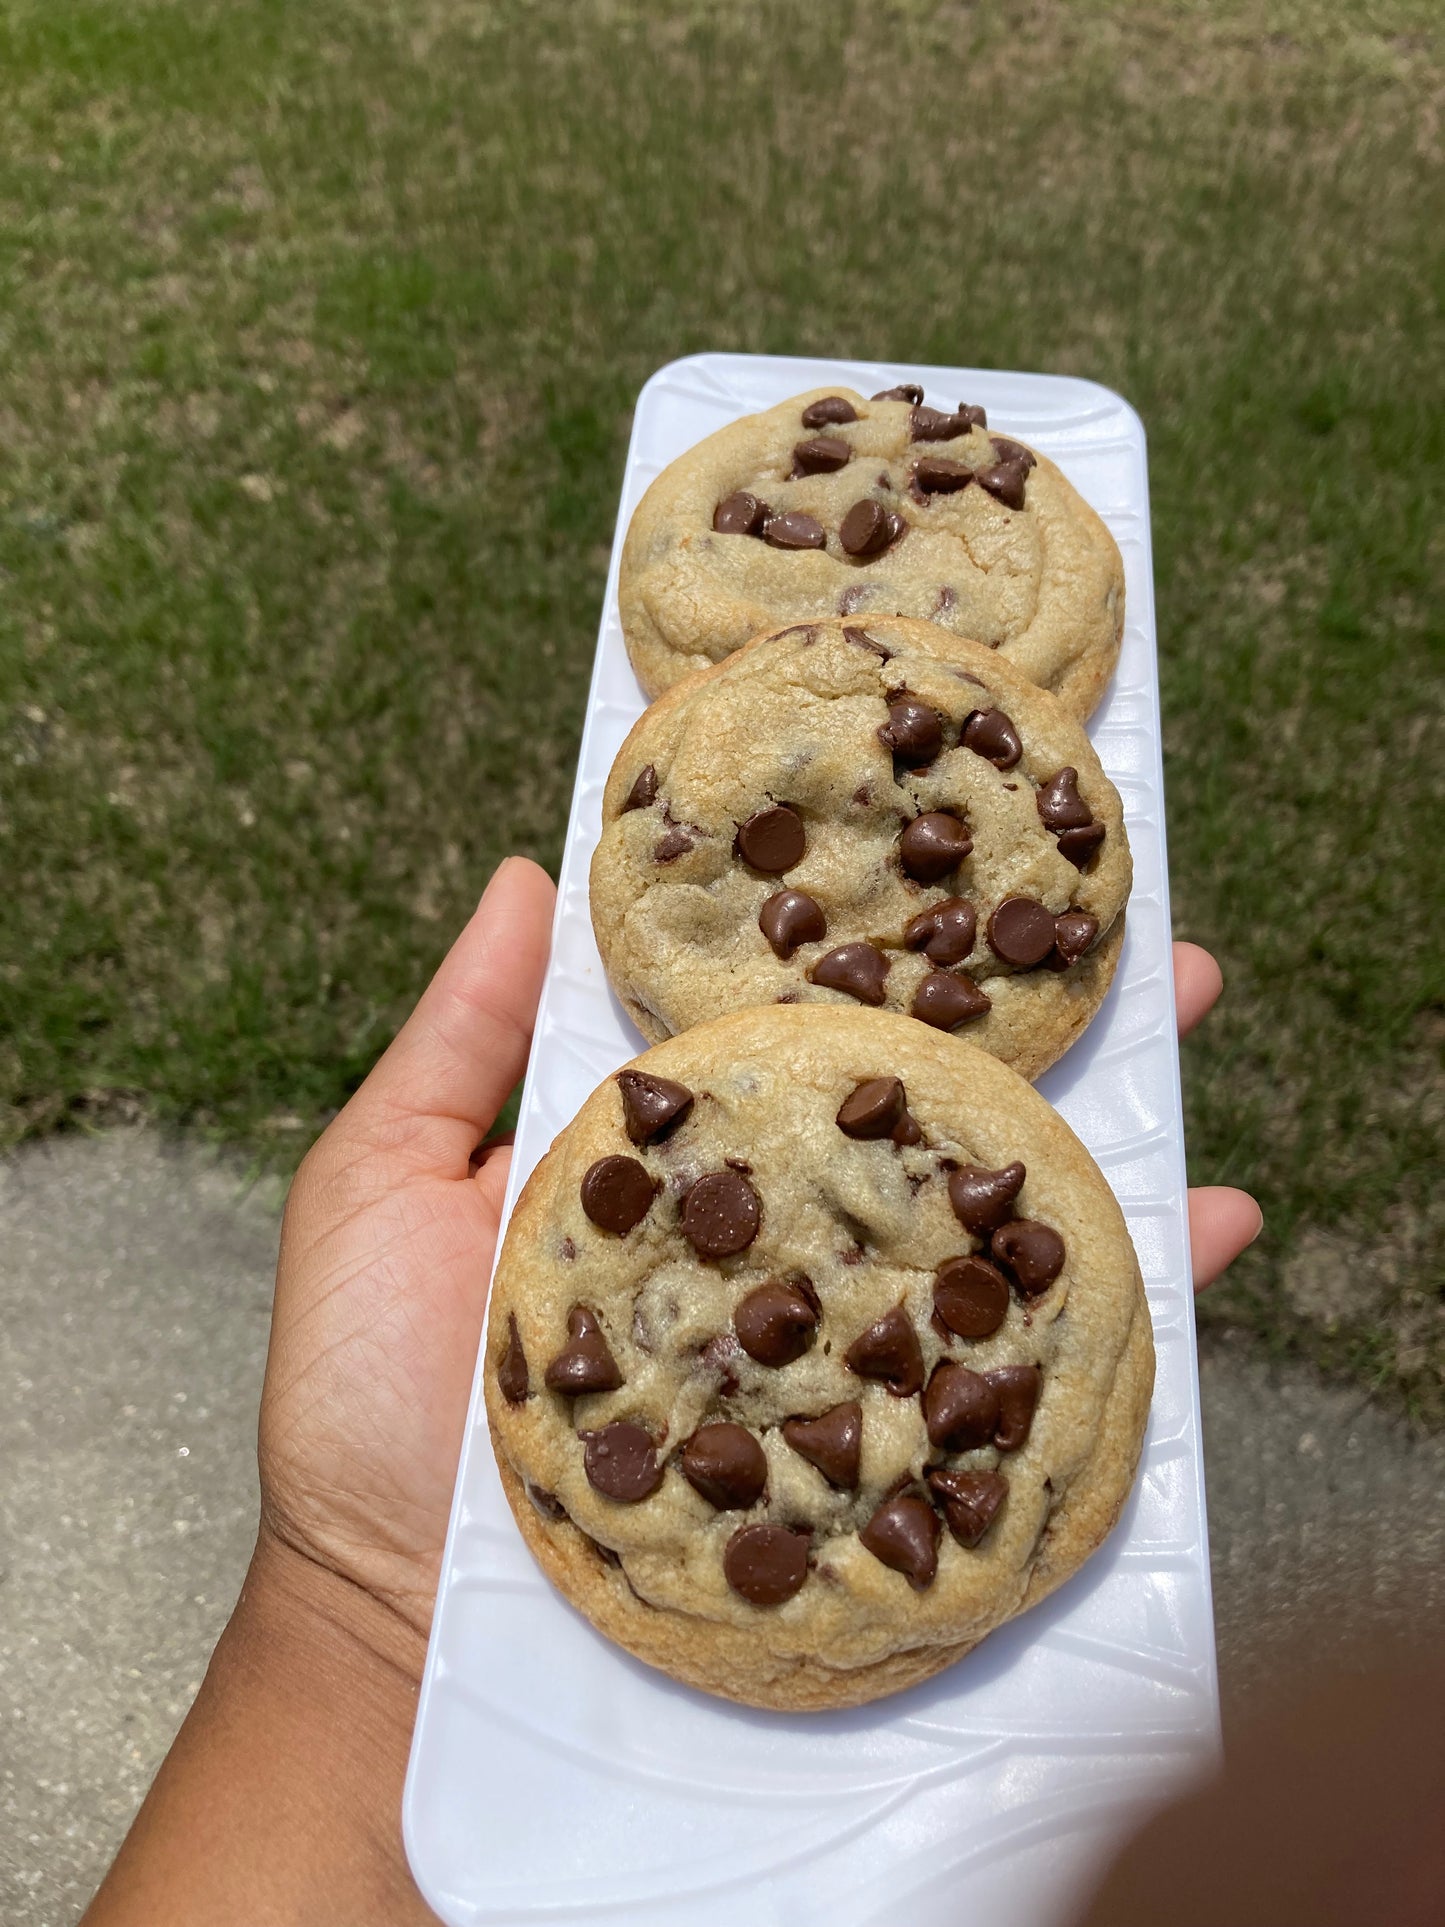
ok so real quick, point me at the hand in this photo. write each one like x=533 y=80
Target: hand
x=1222 y=1221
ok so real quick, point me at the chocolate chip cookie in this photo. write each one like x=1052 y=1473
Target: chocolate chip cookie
x=879 y=814
x=831 y=504
x=817 y=1349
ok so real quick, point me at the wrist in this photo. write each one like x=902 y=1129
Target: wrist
x=296 y=1615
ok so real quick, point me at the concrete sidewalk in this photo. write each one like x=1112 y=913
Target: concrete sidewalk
x=135 y=1283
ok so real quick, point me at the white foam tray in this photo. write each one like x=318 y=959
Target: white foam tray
x=555 y=1779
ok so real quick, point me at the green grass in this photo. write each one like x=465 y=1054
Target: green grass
x=319 y=330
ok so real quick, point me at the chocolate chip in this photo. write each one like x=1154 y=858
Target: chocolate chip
x=1005 y=482
x=719 y=1355
x=585 y=1363
x=512 y=1366
x=1074 y=931
x=672 y=844
x=971 y=1296
x=833 y=1442
x=617 y=1193
x=960 y=1408
x=945 y=932
x=621 y=1463
x=981 y=1199
x=905 y=391
x=652 y=1107
x=869 y=528
x=568 y=1250
x=1032 y=1252
x=740 y=514
x=644 y=790
x=933 y=425
x=775 y=1323
x=720 y=1215
x=1018 y=1388
x=990 y=733
x=913 y=732
x=1059 y=802
x=936 y=475
x=853 y=597
x=946 y=998
x=726 y=1465
x=856 y=968
x=875 y=1109
x=970 y=1501
x=1079 y=845
x=791 y=917
x=766 y=1564
x=832 y=408
x=903 y=1533
x=861 y=639
x=933 y=845
x=889 y=1350
x=772 y=840
x=547 y=1503
x=794 y=531
x=975 y=416
x=1021 y=932
x=823 y=455
x=1012 y=454
x=944 y=600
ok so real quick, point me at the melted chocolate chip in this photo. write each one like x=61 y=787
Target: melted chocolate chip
x=512 y=1366
x=827 y=411
x=617 y=1194
x=1021 y=932
x=861 y=639
x=960 y=1408
x=1059 y=802
x=990 y=733
x=933 y=425
x=905 y=391
x=772 y=840
x=720 y=1215
x=933 y=845
x=970 y=1501
x=585 y=1363
x=794 y=531
x=547 y=1503
x=913 y=732
x=791 y=917
x=889 y=1351
x=945 y=932
x=937 y=475
x=975 y=416
x=875 y=1109
x=644 y=790
x=982 y=1200
x=1005 y=482
x=1012 y=453
x=970 y=1296
x=946 y=998
x=1079 y=845
x=621 y=1462
x=672 y=844
x=775 y=1323
x=823 y=455
x=725 y=1463
x=1032 y=1252
x=869 y=528
x=652 y=1107
x=1018 y=1388
x=856 y=968
x=833 y=1442
x=766 y=1564
x=903 y=1534
x=740 y=514
x=719 y=1355
x=1074 y=932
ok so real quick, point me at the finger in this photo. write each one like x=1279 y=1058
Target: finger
x=454 y=1062
x=1198 y=981
x=1222 y=1223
